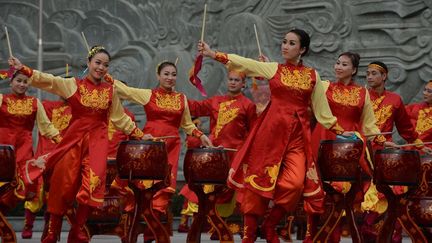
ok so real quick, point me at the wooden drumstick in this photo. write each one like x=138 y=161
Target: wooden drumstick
x=413 y=144
x=8 y=42
x=176 y=61
x=67 y=70
x=164 y=137
x=257 y=40
x=85 y=41
x=377 y=134
x=203 y=23
x=230 y=149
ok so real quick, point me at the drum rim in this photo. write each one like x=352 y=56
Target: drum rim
x=219 y=150
x=330 y=141
x=6 y=146
x=396 y=151
x=143 y=142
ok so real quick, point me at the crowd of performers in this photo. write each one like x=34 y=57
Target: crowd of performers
x=277 y=150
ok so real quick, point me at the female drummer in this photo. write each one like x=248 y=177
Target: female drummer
x=18 y=113
x=83 y=150
x=166 y=111
x=273 y=162
x=352 y=106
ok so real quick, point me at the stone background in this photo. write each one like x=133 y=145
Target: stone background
x=139 y=34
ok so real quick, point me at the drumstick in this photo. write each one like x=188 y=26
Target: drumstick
x=377 y=134
x=230 y=149
x=413 y=144
x=257 y=40
x=8 y=42
x=165 y=137
x=176 y=61
x=85 y=41
x=67 y=70
x=203 y=23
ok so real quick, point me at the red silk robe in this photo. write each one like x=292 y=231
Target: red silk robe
x=273 y=139
x=421 y=118
x=389 y=110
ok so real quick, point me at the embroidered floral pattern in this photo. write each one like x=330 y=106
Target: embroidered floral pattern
x=226 y=115
x=424 y=120
x=297 y=79
x=95 y=99
x=59 y=119
x=168 y=101
x=272 y=172
x=346 y=96
x=20 y=107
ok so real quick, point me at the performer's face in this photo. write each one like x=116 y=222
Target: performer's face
x=167 y=77
x=235 y=82
x=427 y=93
x=344 y=68
x=19 y=84
x=98 y=66
x=375 y=77
x=291 y=48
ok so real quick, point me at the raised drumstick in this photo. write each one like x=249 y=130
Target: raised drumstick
x=8 y=42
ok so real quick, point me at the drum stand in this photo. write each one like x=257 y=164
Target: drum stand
x=7 y=200
x=143 y=200
x=207 y=209
x=341 y=202
x=398 y=210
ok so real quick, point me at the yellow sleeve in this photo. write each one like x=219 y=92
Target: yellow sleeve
x=119 y=118
x=1 y=99
x=139 y=96
x=64 y=87
x=367 y=118
x=186 y=121
x=320 y=104
x=252 y=68
x=46 y=128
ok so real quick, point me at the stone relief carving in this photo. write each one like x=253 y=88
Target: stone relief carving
x=140 y=34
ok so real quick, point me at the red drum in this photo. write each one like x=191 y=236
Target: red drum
x=397 y=167
x=421 y=206
x=338 y=160
x=109 y=213
x=139 y=159
x=206 y=166
x=7 y=163
x=111 y=172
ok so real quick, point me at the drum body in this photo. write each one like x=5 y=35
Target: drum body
x=138 y=159
x=206 y=166
x=109 y=213
x=397 y=167
x=338 y=160
x=420 y=208
x=7 y=163
x=111 y=172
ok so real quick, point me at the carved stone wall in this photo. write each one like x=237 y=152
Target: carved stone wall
x=139 y=34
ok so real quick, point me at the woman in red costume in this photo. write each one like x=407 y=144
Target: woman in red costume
x=275 y=163
x=79 y=161
x=166 y=111
x=352 y=106
x=18 y=113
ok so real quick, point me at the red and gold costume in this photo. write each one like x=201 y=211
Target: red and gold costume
x=389 y=110
x=115 y=136
x=83 y=151
x=166 y=112
x=18 y=115
x=421 y=118
x=59 y=113
x=276 y=160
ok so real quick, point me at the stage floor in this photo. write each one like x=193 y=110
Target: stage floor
x=176 y=238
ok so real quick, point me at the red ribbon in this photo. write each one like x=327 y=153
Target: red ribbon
x=193 y=75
